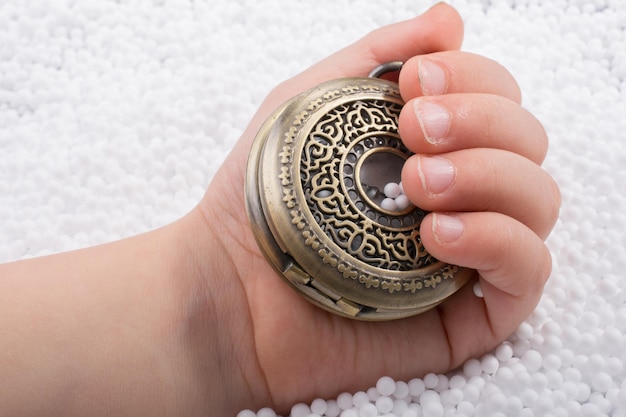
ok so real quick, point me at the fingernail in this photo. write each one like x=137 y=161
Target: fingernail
x=446 y=228
x=434 y=120
x=432 y=77
x=436 y=173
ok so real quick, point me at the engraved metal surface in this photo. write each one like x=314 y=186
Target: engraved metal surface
x=314 y=197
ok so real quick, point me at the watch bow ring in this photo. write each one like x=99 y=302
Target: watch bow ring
x=326 y=205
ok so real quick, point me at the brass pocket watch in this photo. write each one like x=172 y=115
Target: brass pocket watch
x=325 y=203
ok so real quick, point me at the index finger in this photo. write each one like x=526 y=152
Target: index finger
x=456 y=72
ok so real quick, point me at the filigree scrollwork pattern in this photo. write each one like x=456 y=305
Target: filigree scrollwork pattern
x=327 y=175
x=329 y=181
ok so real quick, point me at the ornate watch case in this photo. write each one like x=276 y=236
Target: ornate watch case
x=314 y=195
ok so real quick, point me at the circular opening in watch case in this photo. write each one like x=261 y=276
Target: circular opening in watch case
x=379 y=175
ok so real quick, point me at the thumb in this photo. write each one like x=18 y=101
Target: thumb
x=440 y=28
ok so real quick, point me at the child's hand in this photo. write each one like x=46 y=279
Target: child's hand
x=476 y=168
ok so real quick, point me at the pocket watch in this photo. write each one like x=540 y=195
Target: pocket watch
x=325 y=203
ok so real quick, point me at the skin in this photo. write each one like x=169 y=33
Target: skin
x=191 y=320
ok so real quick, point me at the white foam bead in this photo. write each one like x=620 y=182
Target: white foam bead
x=266 y=412
x=504 y=352
x=540 y=314
x=602 y=382
x=552 y=343
x=597 y=362
x=332 y=409
x=416 y=387
x=431 y=380
x=532 y=360
x=402 y=202
x=443 y=383
x=490 y=364
x=466 y=408
x=373 y=393
x=621 y=396
x=368 y=410
x=385 y=385
x=457 y=381
x=504 y=376
x=559 y=412
x=536 y=341
x=344 y=401
x=571 y=389
x=539 y=381
x=478 y=381
x=514 y=405
x=527 y=412
x=472 y=368
x=590 y=410
x=409 y=412
x=584 y=392
x=416 y=407
x=429 y=396
x=612 y=337
x=601 y=402
x=360 y=398
x=589 y=321
x=520 y=347
x=399 y=406
x=432 y=409
x=392 y=190
x=471 y=392
x=319 y=406
x=524 y=331
x=384 y=404
x=523 y=377
x=542 y=405
x=389 y=204
x=454 y=396
x=573 y=408
x=402 y=390
x=478 y=290
x=528 y=397
x=614 y=366
x=300 y=410
x=349 y=413
x=554 y=379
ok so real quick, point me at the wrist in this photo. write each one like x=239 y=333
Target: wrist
x=215 y=327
